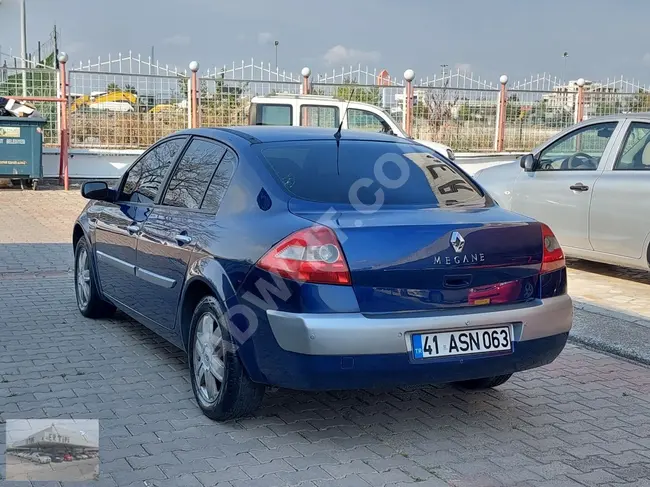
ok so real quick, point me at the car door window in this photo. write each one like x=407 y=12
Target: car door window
x=220 y=182
x=319 y=116
x=580 y=150
x=147 y=175
x=367 y=121
x=635 y=155
x=193 y=173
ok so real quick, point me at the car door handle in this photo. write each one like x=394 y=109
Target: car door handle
x=183 y=239
x=579 y=187
x=133 y=229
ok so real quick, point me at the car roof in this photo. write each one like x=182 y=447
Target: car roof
x=257 y=134
x=616 y=116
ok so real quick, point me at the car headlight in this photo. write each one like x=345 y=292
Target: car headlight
x=451 y=155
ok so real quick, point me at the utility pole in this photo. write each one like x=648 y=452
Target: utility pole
x=23 y=44
x=276 y=55
x=565 y=55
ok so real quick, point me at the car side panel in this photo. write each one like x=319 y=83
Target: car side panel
x=619 y=212
x=252 y=217
x=618 y=217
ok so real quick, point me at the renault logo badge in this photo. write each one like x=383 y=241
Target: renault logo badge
x=457 y=242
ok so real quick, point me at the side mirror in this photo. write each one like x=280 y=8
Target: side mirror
x=96 y=190
x=528 y=162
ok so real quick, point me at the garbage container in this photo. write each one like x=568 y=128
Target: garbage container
x=21 y=149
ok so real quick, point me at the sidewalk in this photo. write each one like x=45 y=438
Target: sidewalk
x=624 y=334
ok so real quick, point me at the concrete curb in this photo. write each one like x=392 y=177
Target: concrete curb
x=625 y=335
x=611 y=313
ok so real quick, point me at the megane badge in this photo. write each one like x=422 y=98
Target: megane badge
x=457 y=242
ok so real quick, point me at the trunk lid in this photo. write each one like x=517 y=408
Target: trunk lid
x=407 y=260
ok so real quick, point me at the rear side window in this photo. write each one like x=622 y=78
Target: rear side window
x=193 y=173
x=220 y=182
x=274 y=115
x=319 y=116
x=369 y=173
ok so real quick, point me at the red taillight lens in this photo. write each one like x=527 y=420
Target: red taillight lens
x=311 y=255
x=553 y=258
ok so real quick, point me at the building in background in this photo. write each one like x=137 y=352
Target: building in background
x=56 y=440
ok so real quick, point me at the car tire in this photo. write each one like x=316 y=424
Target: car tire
x=485 y=382
x=89 y=301
x=221 y=385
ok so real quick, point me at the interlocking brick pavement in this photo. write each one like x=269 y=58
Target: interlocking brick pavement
x=583 y=420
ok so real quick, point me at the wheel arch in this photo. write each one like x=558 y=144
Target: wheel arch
x=77 y=233
x=206 y=277
x=195 y=291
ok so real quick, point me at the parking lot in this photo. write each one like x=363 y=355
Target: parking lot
x=582 y=421
x=76 y=470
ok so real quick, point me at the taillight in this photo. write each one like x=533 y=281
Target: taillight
x=553 y=257
x=311 y=255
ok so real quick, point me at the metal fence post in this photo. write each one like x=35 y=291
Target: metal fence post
x=499 y=143
x=304 y=115
x=63 y=107
x=306 y=73
x=409 y=76
x=194 y=106
x=580 y=103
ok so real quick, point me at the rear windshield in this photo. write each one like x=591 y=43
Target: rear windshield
x=368 y=173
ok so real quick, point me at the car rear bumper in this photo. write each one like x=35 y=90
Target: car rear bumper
x=358 y=334
x=351 y=351
x=336 y=372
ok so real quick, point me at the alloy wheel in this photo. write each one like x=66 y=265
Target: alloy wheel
x=83 y=279
x=209 y=365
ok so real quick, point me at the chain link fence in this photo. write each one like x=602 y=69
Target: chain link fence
x=40 y=82
x=125 y=111
x=131 y=110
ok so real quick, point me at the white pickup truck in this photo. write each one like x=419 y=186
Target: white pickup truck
x=326 y=111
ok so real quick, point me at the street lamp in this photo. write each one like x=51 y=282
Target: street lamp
x=565 y=55
x=276 y=43
x=23 y=43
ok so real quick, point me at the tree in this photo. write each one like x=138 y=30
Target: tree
x=436 y=105
x=641 y=101
x=350 y=90
x=513 y=108
x=607 y=107
x=113 y=87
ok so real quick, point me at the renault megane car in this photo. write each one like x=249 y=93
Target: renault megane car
x=310 y=259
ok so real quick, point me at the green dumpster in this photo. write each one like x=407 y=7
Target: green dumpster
x=21 y=149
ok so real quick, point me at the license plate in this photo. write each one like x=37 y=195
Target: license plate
x=462 y=342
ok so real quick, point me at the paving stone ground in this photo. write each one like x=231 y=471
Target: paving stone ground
x=582 y=421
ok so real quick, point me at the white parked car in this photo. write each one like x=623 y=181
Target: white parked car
x=43 y=458
x=326 y=111
x=590 y=184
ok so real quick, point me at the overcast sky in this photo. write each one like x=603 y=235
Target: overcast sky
x=517 y=37
x=19 y=429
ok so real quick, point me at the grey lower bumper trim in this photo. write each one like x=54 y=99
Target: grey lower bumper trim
x=356 y=334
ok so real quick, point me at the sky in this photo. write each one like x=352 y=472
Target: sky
x=19 y=429
x=490 y=38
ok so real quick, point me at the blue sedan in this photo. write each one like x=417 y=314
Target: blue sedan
x=303 y=259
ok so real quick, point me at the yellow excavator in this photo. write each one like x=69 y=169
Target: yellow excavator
x=115 y=100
